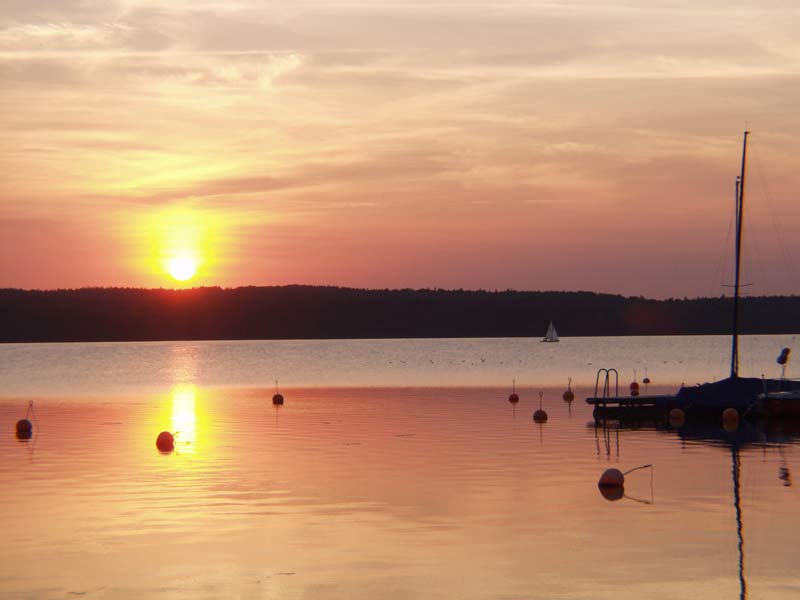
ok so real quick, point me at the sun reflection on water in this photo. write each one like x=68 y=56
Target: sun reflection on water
x=184 y=417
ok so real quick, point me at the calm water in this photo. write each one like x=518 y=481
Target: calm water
x=103 y=368
x=419 y=480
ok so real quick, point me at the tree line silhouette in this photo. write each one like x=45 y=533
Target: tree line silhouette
x=317 y=312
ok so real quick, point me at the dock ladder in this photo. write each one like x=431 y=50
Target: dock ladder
x=606 y=382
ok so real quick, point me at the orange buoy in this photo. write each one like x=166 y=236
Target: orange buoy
x=165 y=442
x=568 y=396
x=24 y=429
x=730 y=419
x=677 y=417
x=730 y=414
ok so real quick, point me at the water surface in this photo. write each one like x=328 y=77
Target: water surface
x=393 y=492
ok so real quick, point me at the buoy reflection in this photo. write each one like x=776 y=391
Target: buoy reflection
x=184 y=417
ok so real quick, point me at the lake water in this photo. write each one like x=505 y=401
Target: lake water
x=396 y=469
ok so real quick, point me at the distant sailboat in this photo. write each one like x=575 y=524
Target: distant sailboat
x=551 y=335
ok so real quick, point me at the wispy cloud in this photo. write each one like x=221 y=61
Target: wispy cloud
x=361 y=125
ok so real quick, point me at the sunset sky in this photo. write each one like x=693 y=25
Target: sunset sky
x=575 y=145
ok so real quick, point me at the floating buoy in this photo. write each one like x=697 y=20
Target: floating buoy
x=611 y=478
x=24 y=426
x=730 y=414
x=277 y=399
x=513 y=398
x=612 y=493
x=634 y=386
x=24 y=429
x=612 y=483
x=784 y=357
x=540 y=416
x=677 y=417
x=165 y=442
x=730 y=419
x=568 y=396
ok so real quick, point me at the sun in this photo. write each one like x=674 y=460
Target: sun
x=182 y=268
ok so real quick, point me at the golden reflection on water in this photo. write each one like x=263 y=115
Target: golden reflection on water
x=184 y=417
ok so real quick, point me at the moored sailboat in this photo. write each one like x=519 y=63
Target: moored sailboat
x=744 y=394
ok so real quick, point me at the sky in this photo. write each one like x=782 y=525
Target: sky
x=573 y=145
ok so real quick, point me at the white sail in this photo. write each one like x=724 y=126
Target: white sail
x=551 y=335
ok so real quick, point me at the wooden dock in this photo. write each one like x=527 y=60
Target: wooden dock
x=615 y=407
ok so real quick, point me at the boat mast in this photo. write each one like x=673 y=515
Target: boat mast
x=739 y=227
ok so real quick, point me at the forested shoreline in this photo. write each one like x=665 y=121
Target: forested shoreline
x=321 y=312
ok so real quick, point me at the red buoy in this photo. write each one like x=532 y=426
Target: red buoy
x=165 y=442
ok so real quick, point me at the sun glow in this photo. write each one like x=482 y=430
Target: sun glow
x=184 y=417
x=182 y=268
x=182 y=242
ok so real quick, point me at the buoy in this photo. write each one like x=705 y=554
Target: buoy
x=612 y=493
x=24 y=429
x=277 y=399
x=611 y=478
x=730 y=419
x=568 y=395
x=165 y=442
x=677 y=417
x=513 y=398
x=730 y=414
x=540 y=416
x=784 y=356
